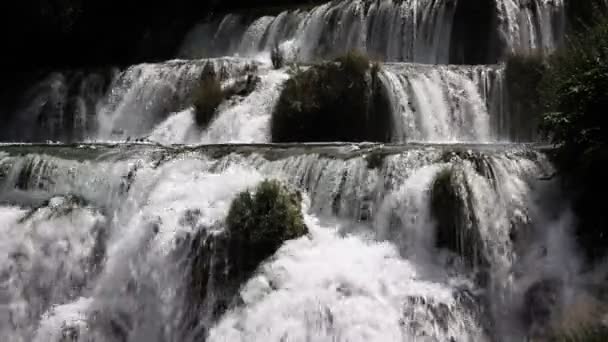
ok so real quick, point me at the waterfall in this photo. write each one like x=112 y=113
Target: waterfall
x=535 y=26
x=446 y=103
x=114 y=201
x=396 y=31
x=153 y=101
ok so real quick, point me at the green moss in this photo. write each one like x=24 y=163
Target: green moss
x=259 y=223
x=207 y=96
x=256 y=226
x=456 y=225
x=336 y=101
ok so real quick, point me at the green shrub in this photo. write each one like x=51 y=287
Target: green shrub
x=593 y=334
x=256 y=226
x=575 y=96
x=582 y=13
x=207 y=96
x=336 y=101
x=259 y=223
x=575 y=89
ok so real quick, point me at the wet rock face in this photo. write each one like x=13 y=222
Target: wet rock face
x=455 y=223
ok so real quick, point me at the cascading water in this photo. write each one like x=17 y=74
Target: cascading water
x=152 y=101
x=372 y=266
x=450 y=233
x=396 y=31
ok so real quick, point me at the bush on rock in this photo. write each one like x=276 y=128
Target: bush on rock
x=257 y=225
x=342 y=100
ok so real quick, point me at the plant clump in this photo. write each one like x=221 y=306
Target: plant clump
x=342 y=100
x=575 y=99
x=256 y=226
x=259 y=223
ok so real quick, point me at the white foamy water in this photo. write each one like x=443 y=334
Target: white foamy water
x=331 y=288
x=368 y=270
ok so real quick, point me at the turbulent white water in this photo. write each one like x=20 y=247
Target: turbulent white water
x=369 y=270
x=153 y=102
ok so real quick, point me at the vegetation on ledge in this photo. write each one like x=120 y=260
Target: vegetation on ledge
x=342 y=100
x=256 y=226
x=259 y=223
x=574 y=95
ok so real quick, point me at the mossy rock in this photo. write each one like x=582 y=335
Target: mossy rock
x=207 y=96
x=342 y=100
x=456 y=225
x=258 y=223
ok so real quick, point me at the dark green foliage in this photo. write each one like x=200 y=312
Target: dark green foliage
x=456 y=224
x=575 y=95
x=207 y=96
x=592 y=334
x=338 y=101
x=259 y=223
x=575 y=90
x=582 y=13
x=523 y=75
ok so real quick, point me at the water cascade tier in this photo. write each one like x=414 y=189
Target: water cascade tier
x=101 y=236
x=425 y=31
x=153 y=101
